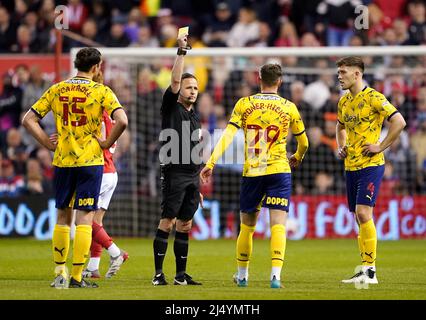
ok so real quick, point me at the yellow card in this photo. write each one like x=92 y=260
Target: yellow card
x=182 y=31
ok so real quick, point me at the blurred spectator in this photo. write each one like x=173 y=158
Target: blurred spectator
x=133 y=24
x=391 y=9
x=21 y=76
x=308 y=39
x=287 y=36
x=264 y=39
x=33 y=91
x=246 y=28
x=10 y=106
x=331 y=104
x=266 y=10
x=401 y=31
x=164 y=17
x=391 y=183
x=218 y=26
x=389 y=38
x=15 y=150
x=123 y=7
x=318 y=92
x=378 y=22
x=116 y=36
x=198 y=65
x=220 y=71
x=205 y=108
x=24 y=43
x=323 y=184
x=168 y=35
x=398 y=98
x=183 y=11
x=403 y=160
x=417 y=27
x=89 y=30
x=356 y=41
x=308 y=114
x=38 y=33
x=338 y=16
x=7 y=31
x=420 y=110
x=34 y=88
x=145 y=38
x=329 y=135
x=77 y=14
x=21 y=7
x=305 y=16
x=34 y=179
x=11 y=185
x=418 y=143
x=101 y=14
x=44 y=156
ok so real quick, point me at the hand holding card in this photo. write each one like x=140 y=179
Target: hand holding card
x=182 y=38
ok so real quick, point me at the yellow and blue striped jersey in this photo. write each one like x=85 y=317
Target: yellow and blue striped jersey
x=266 y=120
x=77 y=105
x=363 y=117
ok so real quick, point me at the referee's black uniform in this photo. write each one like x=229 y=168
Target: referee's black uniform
x=180 y=179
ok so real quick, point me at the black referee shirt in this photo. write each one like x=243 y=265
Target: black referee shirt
x=187 y=125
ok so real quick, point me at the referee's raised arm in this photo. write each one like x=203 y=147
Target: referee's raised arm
x=177 y=70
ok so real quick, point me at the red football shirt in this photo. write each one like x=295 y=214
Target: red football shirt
x=107 y=124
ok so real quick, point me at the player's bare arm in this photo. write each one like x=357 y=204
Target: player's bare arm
x=397 y=124
x=177 y=70
x=31 y=123
x=341 y=141
x=121 y=122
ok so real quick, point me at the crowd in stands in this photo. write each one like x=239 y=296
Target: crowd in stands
x=27 y=27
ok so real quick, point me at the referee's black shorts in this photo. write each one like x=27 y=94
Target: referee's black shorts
x=181 y=193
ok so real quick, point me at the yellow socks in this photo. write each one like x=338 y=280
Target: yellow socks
x=244 y=250
x=361 y=245
x=82 y=242
x=60 y=246
x=278 y=244
x=369 y=239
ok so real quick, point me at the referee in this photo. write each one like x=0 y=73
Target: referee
x=179 y=169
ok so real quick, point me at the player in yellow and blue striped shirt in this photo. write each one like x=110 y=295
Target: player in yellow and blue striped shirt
x=361 y=113
x=77 y=105
x=266 y=119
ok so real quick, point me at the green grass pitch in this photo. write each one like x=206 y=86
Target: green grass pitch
x=312 y=271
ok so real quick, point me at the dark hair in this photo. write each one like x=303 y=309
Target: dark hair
x=270 y=73
x=351 y=62
x=187 y=75
x=87 y=58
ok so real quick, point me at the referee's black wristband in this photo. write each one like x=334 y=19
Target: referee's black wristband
x=181 y=52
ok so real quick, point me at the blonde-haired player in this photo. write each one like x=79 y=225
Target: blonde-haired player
x=266 y=119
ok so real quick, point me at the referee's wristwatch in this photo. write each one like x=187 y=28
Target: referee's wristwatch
x=181 y=51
